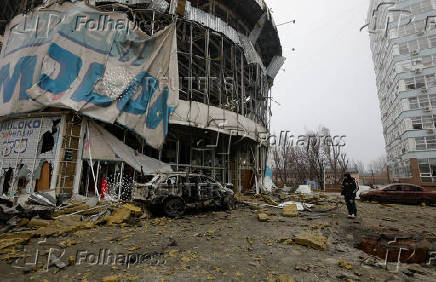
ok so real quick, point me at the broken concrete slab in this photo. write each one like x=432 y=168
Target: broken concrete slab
x=112 y=278
x=263 y=217
x=345 y=265
x=134 y=210
x=119 y=216
x=269 y=200
x=36 y=222
x=290 y=211
x=64 y=225
x=282 y=278
x=11 y=239
x=72 y=208
x=313 y=240
x=92 y=202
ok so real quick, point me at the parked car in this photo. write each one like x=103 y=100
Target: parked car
x=175 y=192
x=400 y=193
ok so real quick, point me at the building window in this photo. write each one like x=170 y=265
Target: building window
x=416 y=123
x=413 y=103
x=425 y=122
x=422 y=101
x=425 y=143
x=427 y=168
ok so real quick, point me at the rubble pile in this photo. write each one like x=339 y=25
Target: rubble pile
x=291 y=203
x=39 y=217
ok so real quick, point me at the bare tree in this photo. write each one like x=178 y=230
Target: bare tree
x=309 y=160
x=379 y=166
x=360 y=167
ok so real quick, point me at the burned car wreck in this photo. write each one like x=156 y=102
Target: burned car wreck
x=174 y=193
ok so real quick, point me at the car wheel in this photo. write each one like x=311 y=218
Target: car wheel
x=425 y=202
x=174 y=207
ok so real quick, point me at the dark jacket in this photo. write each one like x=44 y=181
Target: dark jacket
x=349 y=187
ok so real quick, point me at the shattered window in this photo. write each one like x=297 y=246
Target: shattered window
x=27 y=154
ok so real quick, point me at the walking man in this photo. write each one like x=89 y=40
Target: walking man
x=349 y=190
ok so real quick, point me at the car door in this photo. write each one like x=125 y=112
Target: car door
x=391 y=194
x=411 y=194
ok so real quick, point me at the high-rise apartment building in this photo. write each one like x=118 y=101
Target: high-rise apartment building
x=403 y=44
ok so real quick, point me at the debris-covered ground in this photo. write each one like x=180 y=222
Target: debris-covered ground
x=258 y=241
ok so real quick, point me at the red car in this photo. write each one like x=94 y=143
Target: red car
x=400 y=193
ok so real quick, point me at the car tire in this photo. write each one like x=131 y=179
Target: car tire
x=174 y=207
x=426 y=202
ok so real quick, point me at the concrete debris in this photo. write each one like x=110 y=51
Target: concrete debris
x=64 y=225
x=72 y=208
x=134 y=210
x=6 y=202
x=269 y=200
x=98 y=216
x=92 y=202
x=282 y=278
x=304 y=189
x=313 y=240
x=36 y=222
x=263 y=217
x=9 y=242
x=345 y=265
x=119 y=216
x=43 y=199
x=300 y=206
x=290 y=211
x=112 y=278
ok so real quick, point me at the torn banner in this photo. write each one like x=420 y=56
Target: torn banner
x=101 y=145
x=97 y=63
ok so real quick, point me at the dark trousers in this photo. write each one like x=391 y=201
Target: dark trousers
x=351 y=206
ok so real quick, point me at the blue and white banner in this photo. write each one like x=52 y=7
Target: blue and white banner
x=100 y=64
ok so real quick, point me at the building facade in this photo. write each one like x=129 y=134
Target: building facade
x=403 y=44
x=228 y=55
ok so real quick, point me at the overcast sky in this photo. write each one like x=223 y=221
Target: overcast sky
x=329 y=79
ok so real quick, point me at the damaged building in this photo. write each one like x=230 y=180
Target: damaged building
x=96 y=93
